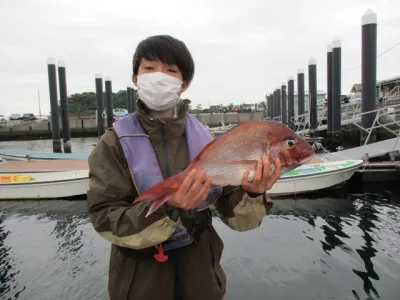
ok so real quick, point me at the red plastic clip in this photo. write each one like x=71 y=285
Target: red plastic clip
x=160 y=256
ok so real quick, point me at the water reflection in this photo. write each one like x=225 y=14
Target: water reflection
x=68 y=233
x=8 y=270
x=339 y=214
x=344 y=239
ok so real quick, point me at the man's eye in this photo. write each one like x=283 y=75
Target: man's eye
x=148 y=68
x=172 y=70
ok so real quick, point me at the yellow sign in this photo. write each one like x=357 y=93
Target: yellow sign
x=7 y=178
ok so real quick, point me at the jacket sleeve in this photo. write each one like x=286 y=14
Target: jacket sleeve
x=241 y=211
x=110 y=196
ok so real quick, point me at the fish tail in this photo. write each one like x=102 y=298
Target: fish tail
x=161 y=192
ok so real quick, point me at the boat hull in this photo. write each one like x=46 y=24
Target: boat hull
x=49 y=185
x=315 y=177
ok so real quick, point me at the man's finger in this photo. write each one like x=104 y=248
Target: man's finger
x=186 y=184
x=258 y=172
x=202 y=195
x=277 y=172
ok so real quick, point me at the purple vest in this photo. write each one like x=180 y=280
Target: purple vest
x=144 y=167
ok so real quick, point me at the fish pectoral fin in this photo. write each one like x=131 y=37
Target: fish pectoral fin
x=157 y=203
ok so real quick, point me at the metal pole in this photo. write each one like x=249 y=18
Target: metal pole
x=329 y=93
x=312 y=94
x=100 y=106
x=134 y=98
x=278 y=102
x=368 y=73
x=109 y=102
x=336 y=93
x=291 y=102
x=284 y=106
x=300 y=92
x=274 y=106
x=55 y=125
x=64 y=107
x=129 y=94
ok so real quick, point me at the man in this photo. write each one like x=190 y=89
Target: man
x=175 y=252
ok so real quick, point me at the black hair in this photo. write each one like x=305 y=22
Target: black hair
x=168 y=50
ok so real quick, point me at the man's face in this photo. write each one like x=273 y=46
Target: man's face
x=149 y=66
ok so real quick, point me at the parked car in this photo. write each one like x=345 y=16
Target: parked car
x=246 y=108
x=236 y=109
x=119 y=112
x=14 y=117
x=27 y=117
x=3 y=119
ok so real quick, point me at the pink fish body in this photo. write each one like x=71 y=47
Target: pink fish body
x=226 y=158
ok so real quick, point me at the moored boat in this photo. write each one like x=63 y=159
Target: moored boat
x=47 y=185
x=313 y=177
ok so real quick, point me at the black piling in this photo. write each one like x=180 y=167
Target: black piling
x=270 y=106
x=329 y=96
x=278 y=103
x=62 y=81
x=134 y=98
x=109 y=102
x=100 y=106
x=291 y=102
x=368 y=73
x=312 y=94
x=129 y=96
x=300 y=92
x=284 y=104
x=55 y=125
x=336 y=94
x=274 y=106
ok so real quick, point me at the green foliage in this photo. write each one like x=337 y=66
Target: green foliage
x=84 y=104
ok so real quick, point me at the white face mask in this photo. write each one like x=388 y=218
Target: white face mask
x=158 y=90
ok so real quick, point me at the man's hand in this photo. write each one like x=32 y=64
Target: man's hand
x=191 y=193
x=262 y=180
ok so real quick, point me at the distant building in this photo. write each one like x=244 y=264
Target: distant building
x=321 y=95
x=383 y=87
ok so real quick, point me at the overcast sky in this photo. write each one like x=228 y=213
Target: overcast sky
x=242 y=49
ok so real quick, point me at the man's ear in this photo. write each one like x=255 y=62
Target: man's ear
x=134 y=80
x=184 y=87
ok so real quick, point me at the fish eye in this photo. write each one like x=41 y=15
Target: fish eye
x=290 y=143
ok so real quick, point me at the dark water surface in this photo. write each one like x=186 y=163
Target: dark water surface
x=325 y=247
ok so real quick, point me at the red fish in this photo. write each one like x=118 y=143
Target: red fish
x=226 y=158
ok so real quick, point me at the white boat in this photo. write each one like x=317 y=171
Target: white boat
x=18 y=154
x=62 y=184
x=48 y=185
x=313 y=177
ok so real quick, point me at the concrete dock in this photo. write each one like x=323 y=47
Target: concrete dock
x=87 y=126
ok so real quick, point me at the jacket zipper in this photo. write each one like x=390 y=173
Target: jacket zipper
x=165 y=150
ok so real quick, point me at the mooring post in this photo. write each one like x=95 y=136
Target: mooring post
x=55 y=125
x=109 y=102
x=134 y=98
x=300 y=92
x=62 y=81
x=284 y=103
x=279 y=102
x=291 y=102
x=329 y=96
x=129 y=96
x=336 y=94
x=100 y=106
x=368 y=73
x=273 y=101
x=312 y=94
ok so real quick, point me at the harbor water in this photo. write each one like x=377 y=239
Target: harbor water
x=333 y=245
